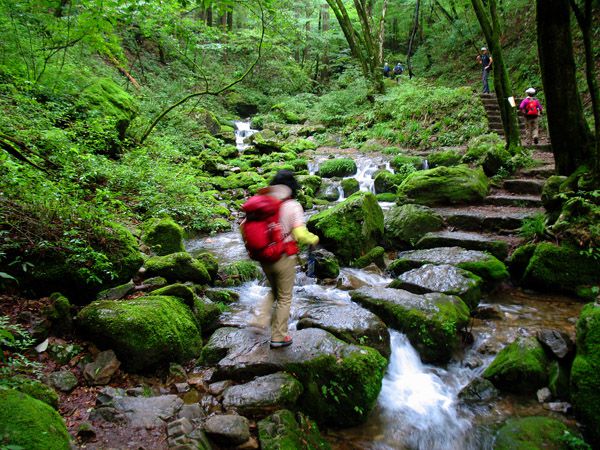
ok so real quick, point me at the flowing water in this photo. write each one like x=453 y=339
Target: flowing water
x=243 y=131
x=418 y=407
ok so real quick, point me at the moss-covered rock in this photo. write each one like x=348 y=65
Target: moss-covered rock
x=351 y=228
x=328 y=191
x=405 y=225
x=446 y=158
x=163 y=236
x=210 y=262
x=558 y=379
x=207 y=314
x=585 y=372
x=559 y=268
x=550 y=193
x=266 y=141
x=144 y=332
x=239 y=272
x=387 y=197
x=177 y=267
x=37 y=390
x=75 y=274
x=400 y=160
x=326 y=264
x=445 y=185
x=30 y=424
x=375 y=255
x=338 y=167
x=179 y=290
x=532 y=433
x=282 y=431
x=386 y=181
x=59 y=314
x=431 y=322
x=520 y=367
x=350 y=186
x=488 y=152
x=519 y=260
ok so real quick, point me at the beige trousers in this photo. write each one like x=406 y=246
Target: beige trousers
x=281 y=276
x=531 y=129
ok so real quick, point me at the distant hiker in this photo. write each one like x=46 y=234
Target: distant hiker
x=531 y=109
x=398 y=69
x=386 y=70
x=486 y=60
x=273 y=227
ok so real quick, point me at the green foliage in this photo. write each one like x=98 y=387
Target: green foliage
x=15 y=343
x=534 y=228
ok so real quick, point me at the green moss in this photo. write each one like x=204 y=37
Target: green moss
x=491 y=269
x=446 y=158
x=519 y=260
x=559 y=268
x=106 y=98
x=37 y=390
x=178 y=290
x=206 y=313
x=239 y=272
x=340 y=391
x=338 y=167
x=350 y=186
x=30 y=424
x=351 y=228
x=375 y=255
x=163 y=236
x=558 y=380
x=299 y=146
x=281 y=431
x=386 y=182
x=210 y=262
x=487 y=151
x=445 y=185
x=177 y=267
x=531 y=433
x=520 y=367
x=400 y=160
x=585 y=372
x=387 y=197
x=550 y=192
x=310 y=184
x=405 y=225
x=144 y=332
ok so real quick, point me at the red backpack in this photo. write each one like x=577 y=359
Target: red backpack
x=261 y=230
x=531 y=108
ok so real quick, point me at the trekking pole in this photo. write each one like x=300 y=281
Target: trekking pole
x=310 y=263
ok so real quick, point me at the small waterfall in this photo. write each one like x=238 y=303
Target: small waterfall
x=242 y=131
x=425 y=165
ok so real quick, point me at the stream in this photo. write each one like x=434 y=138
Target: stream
x=418 y=407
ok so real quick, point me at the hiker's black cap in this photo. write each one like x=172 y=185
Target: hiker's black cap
x=286 y=177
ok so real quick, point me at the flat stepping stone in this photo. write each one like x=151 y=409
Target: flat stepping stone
x=487 y=218
x=470 y=241
x=503 y=198
x=444 y=278
x=524 y=186
x=544 y=171
x=351 y=323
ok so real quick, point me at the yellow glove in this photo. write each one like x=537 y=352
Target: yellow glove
x=303 y=236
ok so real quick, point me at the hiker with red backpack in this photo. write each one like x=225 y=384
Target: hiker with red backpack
x=273 y=228
x=531 y=108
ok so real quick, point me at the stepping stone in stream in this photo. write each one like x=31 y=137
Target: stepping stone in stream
x=470 y=241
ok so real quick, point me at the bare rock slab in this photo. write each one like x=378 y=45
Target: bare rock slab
x=469 y=241
x=227 y=429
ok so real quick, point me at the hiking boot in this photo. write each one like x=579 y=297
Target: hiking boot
x=278 y=344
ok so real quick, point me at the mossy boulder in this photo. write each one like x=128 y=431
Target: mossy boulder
x=59 y=314
x=339 y=167
x=326 y=264
x=532 y=433
x=328 y=191
x=401 y=160
x=446 y=158
x=585 y=372
x=552 y=203
x=351 y=228
x=445 y=185
x=350 y=186
x=341 y=381
x=37 y=390
x=105 y=98
x=519 y=260
x=386 y=181
x=185 y=293
x=560 y=268
x=30 y=424
x=266 y=141
x=482 y=264
x=177 y=267
x=404 y=225
x=491 y=157
x=432 y=322
x=282 y=430
x=239 y=272
x=163 y=236
x=520 y=367
x=74 y=273
x=310 y=184
x=375 y=255
x=145 y=332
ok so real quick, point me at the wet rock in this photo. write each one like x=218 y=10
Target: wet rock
x=282 y=430
x=151 y=284
x=488 y=312
x=191 y=412
x=177 y=267
x=179 y=427
x=102 y=369
x=263 y=395
x=405 y=224
x=326 y=264
x=351 y=228
x=445 y=185
x=531 y=433
x=496 y=219
x=144 y=412
x=520 y=367
x=182 y=388
x=63 y=380
x=338 y=167
x=350 y=186
x=328 y=191
x=558 y=342
x=322 y=363
x=220 y=295
x=373 y=256
x=117 y=292
x=218 y=387
x=479 y=390
x=227 y=429
x=144 y=332
x=464 y=239
x=480 y=263
x=543 y=395
x=431 y=321
x=210 y=405
x=473 y=362
x=348 y=322
x=442 y=278
x=561 y=407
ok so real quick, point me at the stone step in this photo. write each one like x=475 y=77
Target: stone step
x=524 y=186
x=494 y=244
x=488 y=218
x=507 y=199
x=544 y=172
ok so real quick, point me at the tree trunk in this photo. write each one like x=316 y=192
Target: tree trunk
x=209 y=16
x=230 y=21
x=411 y=39
x=569 y=131
x=490 y=26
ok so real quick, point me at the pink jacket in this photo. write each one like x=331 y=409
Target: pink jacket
x=525 y=102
